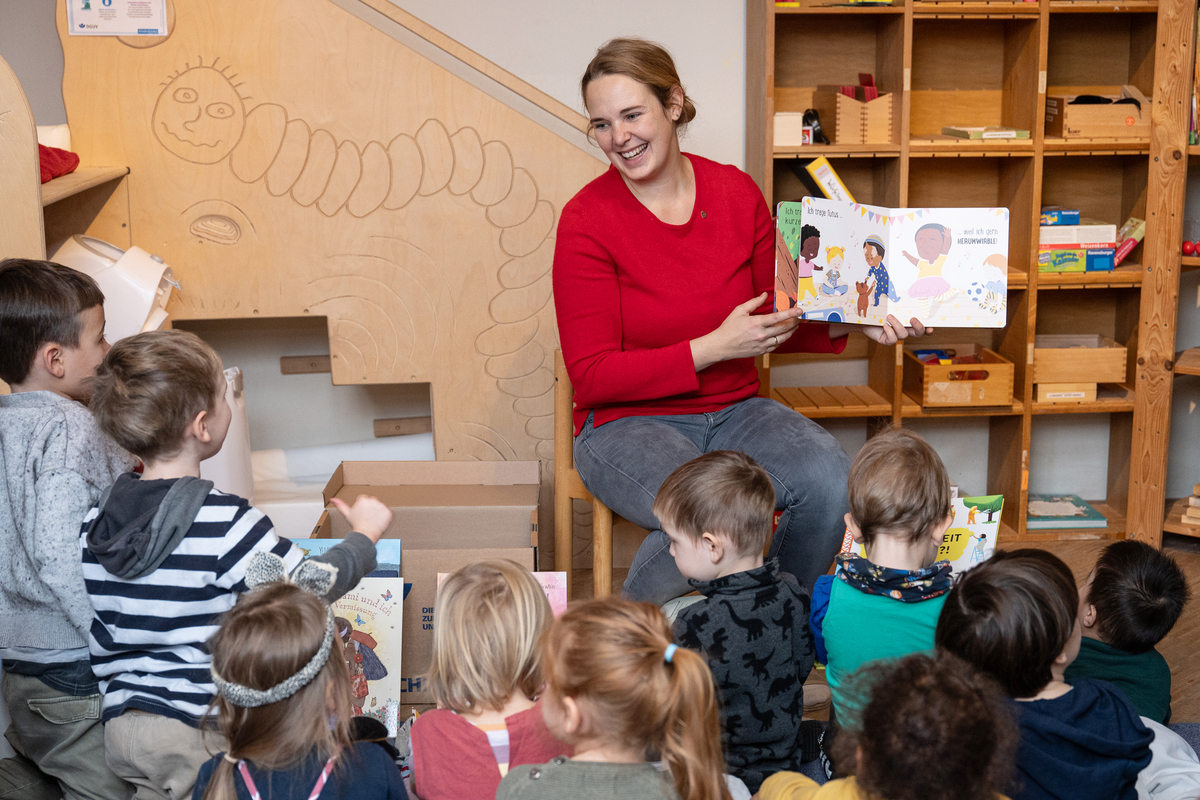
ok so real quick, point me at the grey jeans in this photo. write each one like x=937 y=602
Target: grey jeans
x=623 y=463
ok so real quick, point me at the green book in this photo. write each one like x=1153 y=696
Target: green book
x=1062 y=511
x=987 y=132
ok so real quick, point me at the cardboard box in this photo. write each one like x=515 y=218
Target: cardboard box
x=1077 y=358
x=1106 y=121
x=940 y=385
x=447 y=514
x=1094 y=259
x=1064 y=392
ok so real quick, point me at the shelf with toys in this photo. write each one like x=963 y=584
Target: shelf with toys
x=977 y=64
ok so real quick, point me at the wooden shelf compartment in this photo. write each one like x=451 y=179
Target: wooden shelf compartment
x=910 y=408
x=809 y=151
x=825 y=402
x=80 y=180
x=933 y=146
x=974 y=72
x=1188 y=362
x=1110 y=398
x=1114 y=530
x=1174 y=521
x=1101 y=6
x=1109 y=188
x=1112 y=313
x=1125 y=276
x=1099 y=53
x=874 y=181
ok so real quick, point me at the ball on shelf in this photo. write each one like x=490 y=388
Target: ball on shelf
x=1189 y=248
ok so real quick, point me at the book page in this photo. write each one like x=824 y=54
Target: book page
x=369 y=632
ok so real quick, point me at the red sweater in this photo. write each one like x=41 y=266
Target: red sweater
x=631 y=292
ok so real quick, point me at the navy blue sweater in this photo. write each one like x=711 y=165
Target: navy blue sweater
x=365 y=773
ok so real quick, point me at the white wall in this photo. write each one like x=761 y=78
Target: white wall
x=29 y=43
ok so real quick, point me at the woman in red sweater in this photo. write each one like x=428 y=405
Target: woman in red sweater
x=662 y=273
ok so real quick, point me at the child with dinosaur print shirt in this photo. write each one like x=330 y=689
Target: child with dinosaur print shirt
x=752 y=626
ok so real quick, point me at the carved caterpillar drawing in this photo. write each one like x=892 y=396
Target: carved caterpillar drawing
x=201 y=117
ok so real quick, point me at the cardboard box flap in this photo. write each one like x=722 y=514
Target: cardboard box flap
x=376 y=474
x=438 y=496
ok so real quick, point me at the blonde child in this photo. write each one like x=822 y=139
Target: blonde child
x=486 y=675
x=283 y=702
x=622 y=693
x=935 y=728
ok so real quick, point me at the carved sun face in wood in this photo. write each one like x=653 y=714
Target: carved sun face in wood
x=200 y=115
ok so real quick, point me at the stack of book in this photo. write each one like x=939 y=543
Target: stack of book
x=1067 y=243
x=1191 y=511
x=1062 y=511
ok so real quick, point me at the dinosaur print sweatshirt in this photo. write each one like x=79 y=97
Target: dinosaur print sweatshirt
x=752 y=627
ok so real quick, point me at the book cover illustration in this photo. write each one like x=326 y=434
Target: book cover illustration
x=387 y=554
x=971 y=537
x=1062 y=511
x=554 y=584
x=849 y=262
x=369 y=628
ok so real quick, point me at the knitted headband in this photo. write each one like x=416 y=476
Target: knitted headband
x=313 y=577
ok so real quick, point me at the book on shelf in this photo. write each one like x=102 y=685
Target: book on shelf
x=984 y=132
x=971 y=538
x=1057 y=215
x=1048 y=511
x=849 y=262
x=1130 y=235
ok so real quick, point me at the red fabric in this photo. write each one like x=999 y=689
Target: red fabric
x=452 y=760
x=56 y=162
x=631 y=292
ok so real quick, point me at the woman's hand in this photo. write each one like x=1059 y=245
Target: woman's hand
x=889 y=333
x=744 y=334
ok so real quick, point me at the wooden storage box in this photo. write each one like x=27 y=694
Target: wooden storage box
x=790 y=130
x=938 y=385
x=848 y=121
x=1077 y=358
x=1064 y=392
x=1111 y=121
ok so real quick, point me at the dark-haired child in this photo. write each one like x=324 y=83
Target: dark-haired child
x=56 y=461
x=1016 y=618
x=752 y=625
x=1132 y=599
x=935 y=728
x=886 y=604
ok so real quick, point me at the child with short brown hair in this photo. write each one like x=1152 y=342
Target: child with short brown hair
x=164 y=554
x=623 y=694
x=752 y=625
x=485 y=676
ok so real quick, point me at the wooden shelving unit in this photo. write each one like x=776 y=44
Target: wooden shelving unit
x=993 y=63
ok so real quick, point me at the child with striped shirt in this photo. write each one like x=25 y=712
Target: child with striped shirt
x=164 y=554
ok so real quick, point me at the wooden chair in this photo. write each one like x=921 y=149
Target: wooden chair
x=568 y=486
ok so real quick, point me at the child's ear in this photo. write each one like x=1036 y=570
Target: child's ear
x=938 y=531
x=50 y=358
x=1087 y=616
x=715 y=545
x=572 y=716
x=198 y=428
x=855 y=532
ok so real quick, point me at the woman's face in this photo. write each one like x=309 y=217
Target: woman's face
x=632 y=127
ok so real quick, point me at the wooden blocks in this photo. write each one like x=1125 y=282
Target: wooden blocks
x=848 y=121
x=1077 y=358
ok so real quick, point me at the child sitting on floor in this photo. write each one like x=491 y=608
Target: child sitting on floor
x=283 y=698
x=164 y=554
x=886 y=604
x=935 y=728
x=1131 y=600
x=486 y=676
x=622 y=693
x=1016 y=618
x=752 y=626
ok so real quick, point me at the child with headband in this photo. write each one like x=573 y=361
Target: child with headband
x=623 y=694
x=283 y=698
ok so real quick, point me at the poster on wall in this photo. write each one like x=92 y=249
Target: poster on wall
x=117 y=17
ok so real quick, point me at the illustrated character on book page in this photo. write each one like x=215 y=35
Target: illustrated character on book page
x=873 y=251
x=864 y=291
x=358 y=649
x=971 y=514
x=991 y=293
x=785 y=274
x=810 y=246
x=978 y=540
x=933 y=242
x=835 y=257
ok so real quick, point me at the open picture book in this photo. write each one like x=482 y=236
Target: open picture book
x=971 y=538
x=848 y=262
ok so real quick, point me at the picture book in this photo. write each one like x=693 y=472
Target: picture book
x=387 y=554
x=971 y=537
x=369 y=624
x=849 y=262
x=554 y=584
x=1062 y=511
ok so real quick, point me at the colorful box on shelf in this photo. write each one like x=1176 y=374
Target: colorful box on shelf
x=987 y=381
x=1057 y=215
x=1130 y=235
x=1077 y=358
x=1099 y=259
x=1064 y=392
x=790 y=130
x=1088 y=233
x=1110 y=120
x=847 y=120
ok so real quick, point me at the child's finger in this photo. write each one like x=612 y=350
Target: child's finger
x=340 y=505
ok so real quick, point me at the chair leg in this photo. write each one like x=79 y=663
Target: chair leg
x=563 y=531
x=602 y=549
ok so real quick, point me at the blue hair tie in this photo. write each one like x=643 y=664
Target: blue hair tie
x=670 y=652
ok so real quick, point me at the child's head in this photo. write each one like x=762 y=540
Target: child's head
x=810 y=242
x=1015 y=618
x=276 y=632
x=51 y=327
x=835 y=256
x=1133 y=596
x=930 y=239
x=487 y=624
x=935 y=727
x=157 y=391
x=717 y=505
x=899 y=488
x=873 y=250
x=615 y=677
